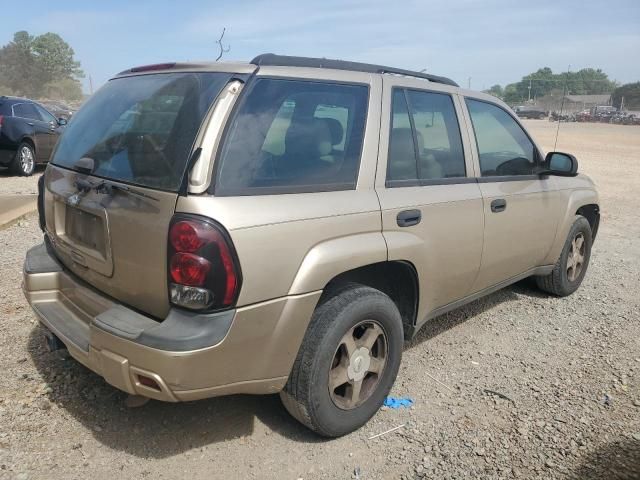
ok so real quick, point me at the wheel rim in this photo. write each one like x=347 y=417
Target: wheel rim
x=575 y=258
x=358 y=364
x=26 y=159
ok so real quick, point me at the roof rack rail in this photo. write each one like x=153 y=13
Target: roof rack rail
x=270 y=59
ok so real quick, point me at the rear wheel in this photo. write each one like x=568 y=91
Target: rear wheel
x=347 y=362
x=24 y=162
x=571 y=267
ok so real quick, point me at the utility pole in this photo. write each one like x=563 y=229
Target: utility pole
x=529 y=89
x=90 y=85
x=469 y=84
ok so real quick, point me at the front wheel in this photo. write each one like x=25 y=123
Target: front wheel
x=347 y=362
x=571 y=267
x=24 y=162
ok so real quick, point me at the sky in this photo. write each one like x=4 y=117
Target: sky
x=480 y=43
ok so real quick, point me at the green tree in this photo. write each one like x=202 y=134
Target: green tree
x=631 y=94
x=28 y=64
x=496 y=91
x=588 y=81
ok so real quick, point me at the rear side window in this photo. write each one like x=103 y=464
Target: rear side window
x=503 y=147
x=425 y=143
x=26 y=110
x=45 y=115
x=141 y=129
x=291 y=136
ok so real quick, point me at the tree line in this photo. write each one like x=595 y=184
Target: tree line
x=40 y=66
x=588 y=81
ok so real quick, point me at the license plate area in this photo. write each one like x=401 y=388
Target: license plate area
x=85 y=229
x=82 y=236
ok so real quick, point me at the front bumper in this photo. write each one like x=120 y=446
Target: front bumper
x=188 y=356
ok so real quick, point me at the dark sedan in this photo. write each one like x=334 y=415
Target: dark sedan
x=28 y=133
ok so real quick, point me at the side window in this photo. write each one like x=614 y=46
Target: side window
x=401 y=163
x=45 y=115
x=440 y=153
x=424 y=142
x=503 y=147
x=292 y=136
x=26 y=110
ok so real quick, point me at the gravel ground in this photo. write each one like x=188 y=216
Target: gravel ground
x=516 y=385
x=14 y=184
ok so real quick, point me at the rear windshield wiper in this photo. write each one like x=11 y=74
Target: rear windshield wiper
x=107 y=188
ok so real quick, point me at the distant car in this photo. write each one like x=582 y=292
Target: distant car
x=28 y=133
x=530 y=112
x=59 y=110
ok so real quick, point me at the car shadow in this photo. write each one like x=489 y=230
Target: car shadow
x=157 y=429
x=160 y=430
x=449 y=320
x=619 y=460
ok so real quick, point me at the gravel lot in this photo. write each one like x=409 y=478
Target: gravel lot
x=13 y=184
x=528 y=386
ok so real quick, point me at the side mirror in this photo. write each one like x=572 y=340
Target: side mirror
x=561 y=164
x=62 y=121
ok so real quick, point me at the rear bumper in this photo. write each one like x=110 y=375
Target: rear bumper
x=188 y=356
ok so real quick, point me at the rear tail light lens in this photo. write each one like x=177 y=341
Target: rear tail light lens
x=1 y=120
x=189 y=269
x=204 y=272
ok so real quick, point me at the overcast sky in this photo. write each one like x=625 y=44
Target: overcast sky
x=491 y=41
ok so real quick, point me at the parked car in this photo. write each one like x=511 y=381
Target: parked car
x=28 y=133
x=285 y=225
x=59 y=110
x=531 y=112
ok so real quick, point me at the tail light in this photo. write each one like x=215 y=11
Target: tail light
x=1 y=120
x=203 y=269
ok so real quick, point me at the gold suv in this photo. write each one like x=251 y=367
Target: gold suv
x=284 y=225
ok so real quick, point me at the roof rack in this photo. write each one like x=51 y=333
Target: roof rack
x=271 y=59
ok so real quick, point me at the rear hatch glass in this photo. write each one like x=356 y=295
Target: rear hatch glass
x=140 y=129
x=138 y=132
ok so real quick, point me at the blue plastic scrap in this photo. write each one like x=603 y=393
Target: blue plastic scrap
x=394 y=403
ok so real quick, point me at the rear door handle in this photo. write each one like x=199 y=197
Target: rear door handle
x=408 y=218
x=498 y=205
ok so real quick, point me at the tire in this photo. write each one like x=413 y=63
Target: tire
x=563 y=281
x=308 y=396
x=24 y=163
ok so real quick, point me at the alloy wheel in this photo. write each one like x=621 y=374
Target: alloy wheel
x=576 y=257
x=358 y=364
x=26 y=159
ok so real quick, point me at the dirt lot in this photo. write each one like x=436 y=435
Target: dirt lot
x=570 y=369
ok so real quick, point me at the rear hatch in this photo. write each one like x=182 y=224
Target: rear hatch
x=111 y=189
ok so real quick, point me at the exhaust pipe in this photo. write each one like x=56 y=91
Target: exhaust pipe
x=53 y=342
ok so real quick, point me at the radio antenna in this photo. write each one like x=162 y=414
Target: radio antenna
x=564 y=94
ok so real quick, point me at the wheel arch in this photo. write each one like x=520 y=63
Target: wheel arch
x=398 y=279
x=591 y=212
x=30 y=141
x=583 y=202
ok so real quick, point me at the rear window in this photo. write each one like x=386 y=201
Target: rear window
x=291 y=136
x=141 y=129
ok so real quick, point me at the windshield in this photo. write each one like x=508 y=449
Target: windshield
x=141 y=129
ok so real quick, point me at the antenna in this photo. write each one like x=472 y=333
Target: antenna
x=564 y=89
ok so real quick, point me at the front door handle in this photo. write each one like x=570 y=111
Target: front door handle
x=499 y=205
x=408 y=218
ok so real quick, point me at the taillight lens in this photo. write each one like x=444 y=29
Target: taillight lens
x=204 y=273
x=189 y=269
x=1 y=120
